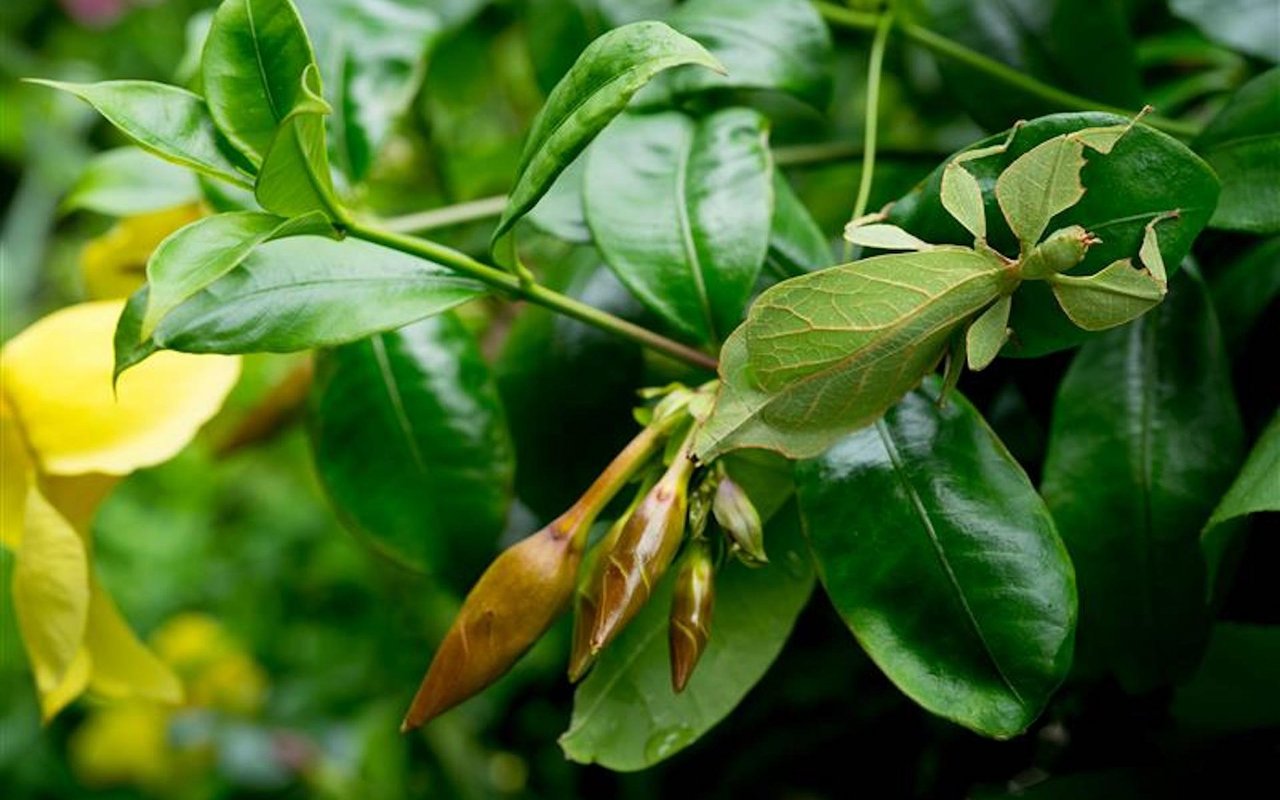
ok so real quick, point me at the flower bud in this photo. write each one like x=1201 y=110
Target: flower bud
x=740 y=521
x=521 y=593
x=586 y=601
x=510 y=607
x=691 y=607
x=649 y=540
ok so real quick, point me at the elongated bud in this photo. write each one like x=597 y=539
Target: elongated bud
x=1061 y=251
x=738 y=517
x=510 y=607
x=521 y=593
x=645 y=547
x=586 y=601
x=689 y=626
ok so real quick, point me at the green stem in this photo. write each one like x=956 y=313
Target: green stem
x=507 y=282
x=943 y=46
x=872 y=124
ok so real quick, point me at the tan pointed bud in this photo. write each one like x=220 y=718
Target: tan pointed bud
x=510 y=607
x=738 y=518
x=521 y=593
x=585 y=600
x=646 y=545
x=694 y=599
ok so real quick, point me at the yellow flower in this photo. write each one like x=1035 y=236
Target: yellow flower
x=65 y=439
x=125 y=744
x=216 y=670
x=114 y=264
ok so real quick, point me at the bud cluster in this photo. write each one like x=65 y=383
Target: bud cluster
x=531 y=583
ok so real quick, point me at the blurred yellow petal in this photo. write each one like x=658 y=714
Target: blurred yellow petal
x=77 y=498
x=50 y=593
x=69 y=688
x=191 y=640
x=122 y=745
x=115 y=263
x=123 y=667
x=57 y=375
x=15 y=479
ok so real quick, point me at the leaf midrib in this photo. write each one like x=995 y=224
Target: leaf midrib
x=926 y=521
x=686 y=233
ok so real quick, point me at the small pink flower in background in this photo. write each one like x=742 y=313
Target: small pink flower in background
x=95 y=13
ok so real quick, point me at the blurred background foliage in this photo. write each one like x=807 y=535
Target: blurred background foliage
x=299 y=647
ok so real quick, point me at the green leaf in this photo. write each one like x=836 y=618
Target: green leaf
x=1257 y=487
x=564 y=29
x=823 y=354
x=128 y=181
x=560 y=211
x=540 y=374
x=625 y=715
x=796 y=244
x=297 y=294
x=1234 y=689
x=1145 y=438
x=252 y=67
x=1085 y=48
x=1120 y=199
x=1242 y=144
x=937 y=552
x=411 y=446
x=169 y=122
x=782 y=45
x=198 y=254
x=595 y=90
x=1243 y=289
x=375 y=55
x=680 y=209
x=295 y=178
x=1248 y=25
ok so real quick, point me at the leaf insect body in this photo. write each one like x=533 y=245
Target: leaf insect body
x=825 y=353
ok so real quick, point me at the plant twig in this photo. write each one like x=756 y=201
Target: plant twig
x=949 y=48
x=534 y=293
x=875 y=71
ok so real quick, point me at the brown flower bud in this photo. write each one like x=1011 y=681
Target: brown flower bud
x=521 y=593
x=586 y=601
x=510 y=607
x=740 y=521
x=646 y=545
x=691 y=607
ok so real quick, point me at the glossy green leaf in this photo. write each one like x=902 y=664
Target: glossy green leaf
x=625 y=715
x=937 y=552
x=564 y=28
x=1242 y=144
x=596 y=89
x=782 y=45
x=796 y=244
x=540 y=374
x=1243 y=290
x=297 y=294
x=1119 y=200
x=1084 y=48
x=127 y=181
x=1145 y=438
x=375 y=56
x=1248 y=25
x=252 y=68
x=198 y=254
x=411 y=445
x=680 y=209
x=170 y=122
x=1257 y=487
x=294 y=179
x=823 y=354
x=560 y=211
x=1233 y=691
